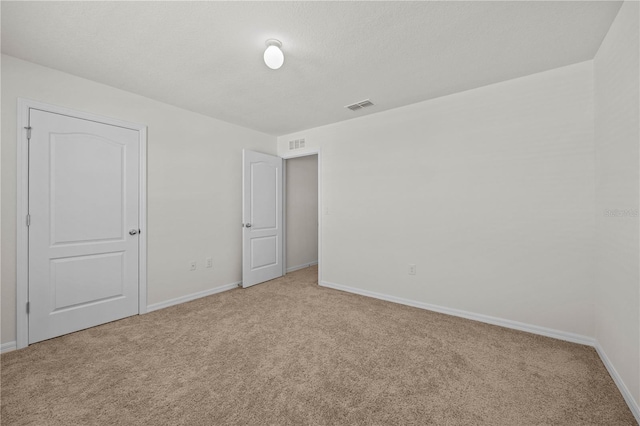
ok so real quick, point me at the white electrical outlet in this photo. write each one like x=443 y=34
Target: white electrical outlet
x=412 y=269
x=209 y=262
x=193 y=265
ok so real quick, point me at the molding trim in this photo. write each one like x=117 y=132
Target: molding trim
x=309 y=151
x=305 y=265
x=8 y=347
x=543 y=331
x=192 y=296
x=626 y=393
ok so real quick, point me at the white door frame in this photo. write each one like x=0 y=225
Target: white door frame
x=22 y=237
x=288 y=156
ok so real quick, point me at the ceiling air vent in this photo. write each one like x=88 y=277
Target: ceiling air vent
x=360 y=105
x=296 y=144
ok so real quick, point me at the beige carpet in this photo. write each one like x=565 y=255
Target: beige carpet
x=291 y=352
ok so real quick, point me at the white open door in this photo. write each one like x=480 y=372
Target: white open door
x=262 y=254
x=83 y=226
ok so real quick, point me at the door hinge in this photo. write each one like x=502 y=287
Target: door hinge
x=28 y=307
x=28 y=220
x=28 y=128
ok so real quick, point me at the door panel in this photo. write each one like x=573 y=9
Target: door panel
x=264 y=252
x=69 y=274
x=83 y=199
x=264 y=195
x=262 y=218
x=102 y=162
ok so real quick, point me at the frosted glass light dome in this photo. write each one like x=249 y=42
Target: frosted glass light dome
x=273 y=56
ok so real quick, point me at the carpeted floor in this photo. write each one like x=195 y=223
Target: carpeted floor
x=291 y=352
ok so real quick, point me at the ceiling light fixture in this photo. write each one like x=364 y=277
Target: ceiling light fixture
x=273 y=56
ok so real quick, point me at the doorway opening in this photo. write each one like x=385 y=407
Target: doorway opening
x=301 y=213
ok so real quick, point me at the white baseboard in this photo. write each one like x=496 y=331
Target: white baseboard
x=193 y=296
x=624 y=390
x=543 y=331
x=7 y=347
x=549 y=332
x=305 y=265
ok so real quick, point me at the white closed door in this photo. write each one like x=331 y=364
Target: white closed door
x=262 y=250
x=83 y=232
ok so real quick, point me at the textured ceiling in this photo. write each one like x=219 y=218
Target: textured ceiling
x=207 y=56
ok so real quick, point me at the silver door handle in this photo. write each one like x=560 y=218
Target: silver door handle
x=247 y=225
x=134 y=231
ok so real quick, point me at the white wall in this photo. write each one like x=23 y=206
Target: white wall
x=302 y=211
x=490 y=192
x=617 y=135
x=194 y=181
